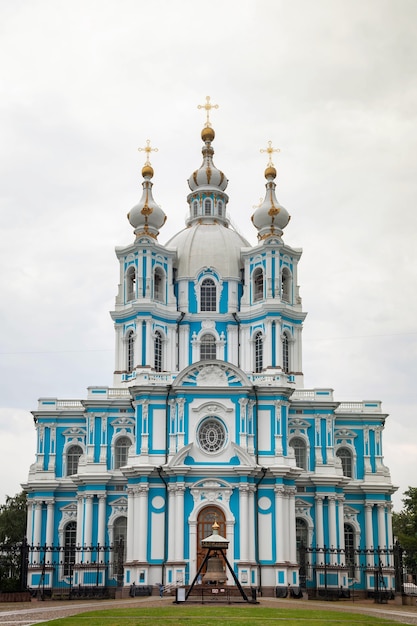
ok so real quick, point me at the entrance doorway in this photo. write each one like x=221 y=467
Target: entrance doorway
x=205 y=521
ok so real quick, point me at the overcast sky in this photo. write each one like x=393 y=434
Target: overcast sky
x=84 y=83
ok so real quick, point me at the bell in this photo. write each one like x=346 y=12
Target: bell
x=215 y=571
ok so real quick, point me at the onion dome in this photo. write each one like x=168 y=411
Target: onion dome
x=270 y=217
x=147 y=217
x=207 y=175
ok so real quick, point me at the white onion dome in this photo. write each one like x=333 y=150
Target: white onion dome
x=147 y=217
x=207 y=175
x=207 y=200
x=270 y=217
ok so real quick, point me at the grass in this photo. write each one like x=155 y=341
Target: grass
x=218 y=616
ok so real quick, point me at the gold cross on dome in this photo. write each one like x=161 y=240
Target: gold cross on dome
x=148 y=150
x=208 y=106
x=270 y=150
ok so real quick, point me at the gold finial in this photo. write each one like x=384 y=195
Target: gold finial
x=208 y=106
x=270 y=150
x=148 y=150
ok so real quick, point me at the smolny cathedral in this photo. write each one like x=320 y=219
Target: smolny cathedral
x=208 y=418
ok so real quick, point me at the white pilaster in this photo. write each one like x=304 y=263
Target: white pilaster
x=130 y=524
x=368 y=526
x=171 y=522
x=143 y=522
x=243 y=516
x=101 y=531
x=332 y=527
x=179 y=522
x=50 y=507
x=88 y=525
x=319 y=522
x=382 y=542
x=279 y=521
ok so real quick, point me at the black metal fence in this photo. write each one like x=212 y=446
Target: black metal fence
x=331 y=573
x=72 y=571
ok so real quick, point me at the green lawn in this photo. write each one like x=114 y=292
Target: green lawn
x=218 y=616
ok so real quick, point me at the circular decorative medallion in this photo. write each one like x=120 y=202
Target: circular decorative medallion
x=211 y=435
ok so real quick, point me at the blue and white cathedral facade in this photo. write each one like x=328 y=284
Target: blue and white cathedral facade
x=208 y=418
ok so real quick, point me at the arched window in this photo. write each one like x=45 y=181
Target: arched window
x=301 y=536
x=130 y=351
x=300 y=450
x=207 y=206
x=345 y=455
x=121 y=450
x=159 y=284
x=70 y=539
x=207 y=347
x=208 y=295
x=120 y=533
x=131 y=283
x=259 y=351
x=158 y=351
x=258 y=284
x=286 y=281
x=285 y=353
x=73 y=456
x=220 y=208
x=195 y=208
x=350 y=549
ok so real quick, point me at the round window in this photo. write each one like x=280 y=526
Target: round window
x=211 y=435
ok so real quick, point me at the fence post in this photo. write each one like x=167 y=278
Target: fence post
x=24 y=562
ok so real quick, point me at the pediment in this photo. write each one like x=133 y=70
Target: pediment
x=212 y=374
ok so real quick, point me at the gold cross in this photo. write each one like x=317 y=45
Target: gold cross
x=270 y=150
x=208 y=106
x=148 y=150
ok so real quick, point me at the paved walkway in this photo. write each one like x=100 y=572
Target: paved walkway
x=29 y=614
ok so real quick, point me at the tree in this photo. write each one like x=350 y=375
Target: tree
x=12 y=533
x=405 y=529
x=13 y=519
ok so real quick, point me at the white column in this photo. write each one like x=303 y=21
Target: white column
x=251 y=523
x=171 y=522
x=37 y=505
x=179 y=522
x=49 y=522
x=137 y=528
x=285 y=528
x=230 y=536
x=130 y=524
x=267 y=356
x=382 y=542
x=291 y=523
x=193 y=548
x=88 y=525
x=29 y=523
x=80 y=522
x=368 y=526
x=389 y=530
x=332 y=527
x=319 y=522
x=243 y=521
x=341 y=514
x=143 y=522
x=183 y=341
x=279 y=521
x=101 y=531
